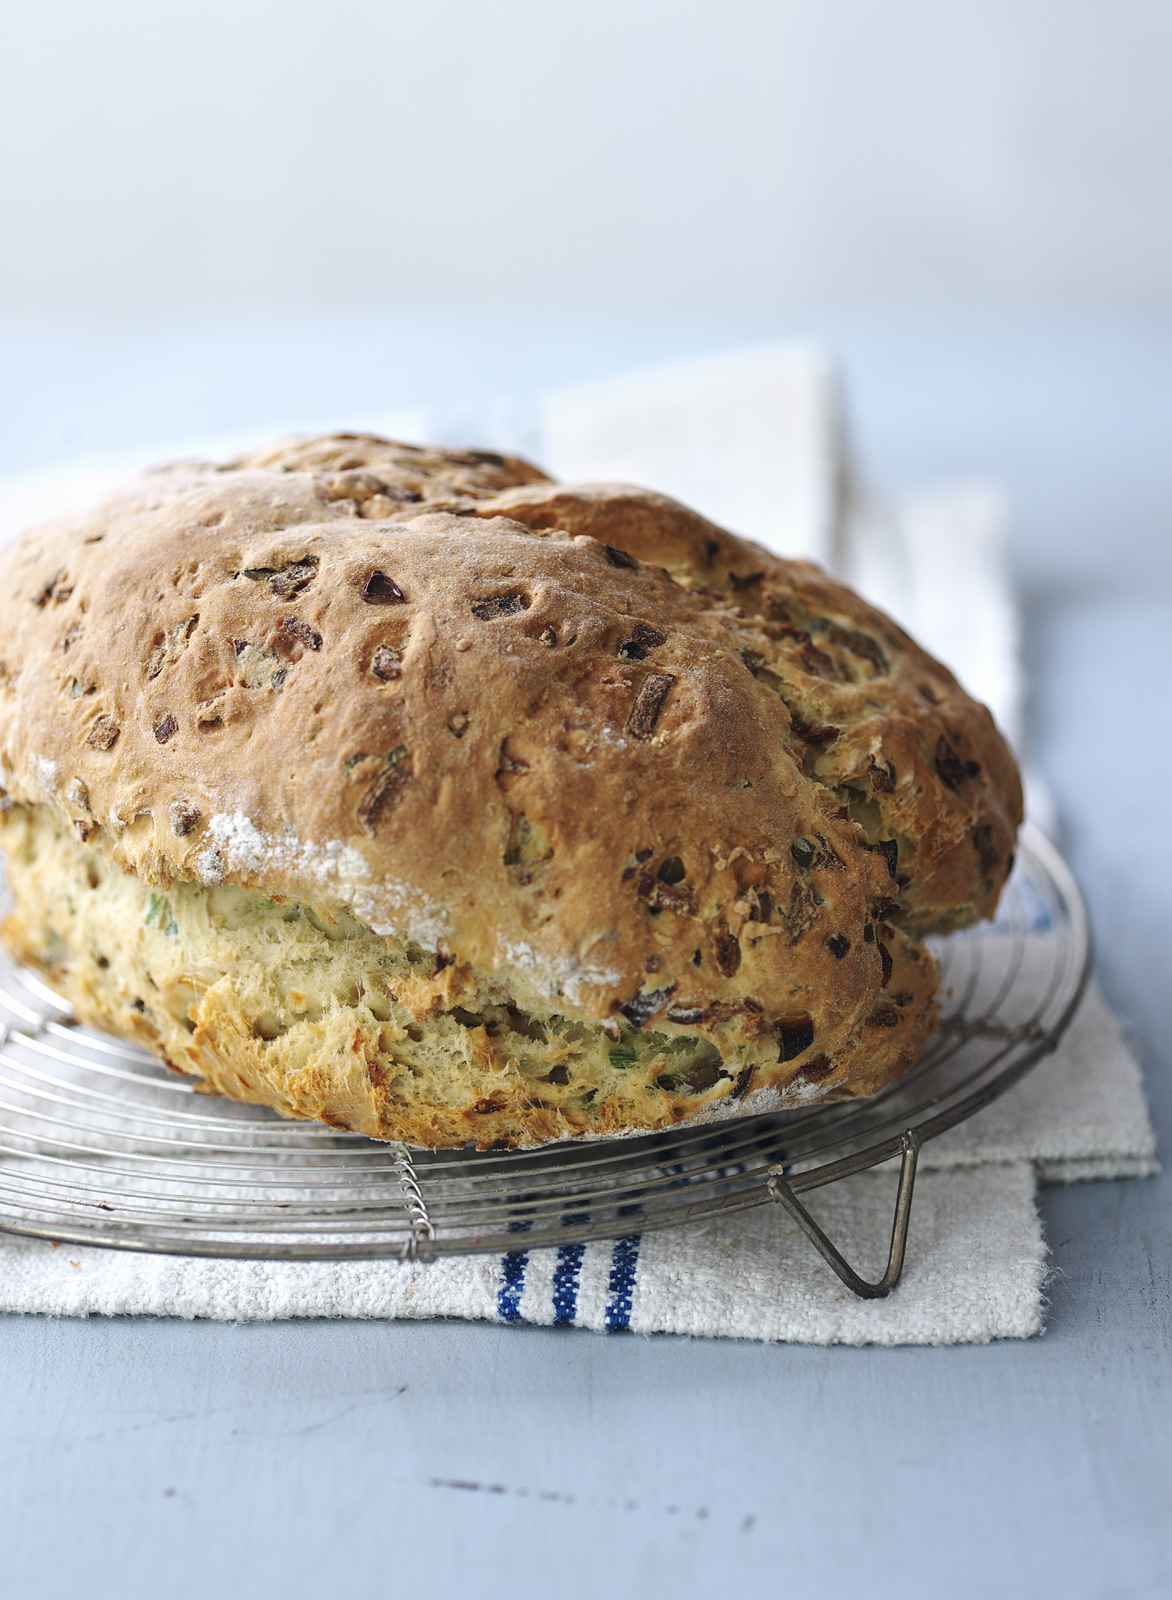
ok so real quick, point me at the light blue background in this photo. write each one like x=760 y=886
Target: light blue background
x=236 y=155
x=223 y=215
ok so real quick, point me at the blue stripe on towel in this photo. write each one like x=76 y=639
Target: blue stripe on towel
x=513 y=1265
x=621 y=1285
x=565 y=1284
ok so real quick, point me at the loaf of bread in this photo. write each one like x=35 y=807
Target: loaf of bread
x=410 y=791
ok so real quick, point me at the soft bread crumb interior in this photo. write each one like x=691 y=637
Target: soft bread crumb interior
x=302 y=1007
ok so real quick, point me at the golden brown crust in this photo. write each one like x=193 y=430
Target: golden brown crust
x=502 y=729
x=885 y=727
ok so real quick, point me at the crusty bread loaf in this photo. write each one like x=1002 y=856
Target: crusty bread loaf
x=410 y=791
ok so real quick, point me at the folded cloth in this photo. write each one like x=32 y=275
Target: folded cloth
x=975 y=1270
x=752 y=438
x=1080 y=1113
x=937 y=560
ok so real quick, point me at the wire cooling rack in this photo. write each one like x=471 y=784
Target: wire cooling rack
x=100 y=1145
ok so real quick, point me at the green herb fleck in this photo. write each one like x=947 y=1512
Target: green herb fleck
x=160 y=915
x=622 y=1059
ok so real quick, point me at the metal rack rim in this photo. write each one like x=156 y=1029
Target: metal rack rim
x=558 y=1194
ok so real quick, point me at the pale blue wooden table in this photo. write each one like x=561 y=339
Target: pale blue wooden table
x=170 y=1459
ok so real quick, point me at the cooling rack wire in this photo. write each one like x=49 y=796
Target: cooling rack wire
x=100 y=1145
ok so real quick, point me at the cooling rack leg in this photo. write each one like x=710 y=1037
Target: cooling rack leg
x=784 y=1195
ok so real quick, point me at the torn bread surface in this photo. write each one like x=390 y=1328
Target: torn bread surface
x=301 y=1006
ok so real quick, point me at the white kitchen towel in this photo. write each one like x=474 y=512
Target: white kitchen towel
x=752 y=438
x=1080 y=1113
x=937 y=560
x=975 y=1271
